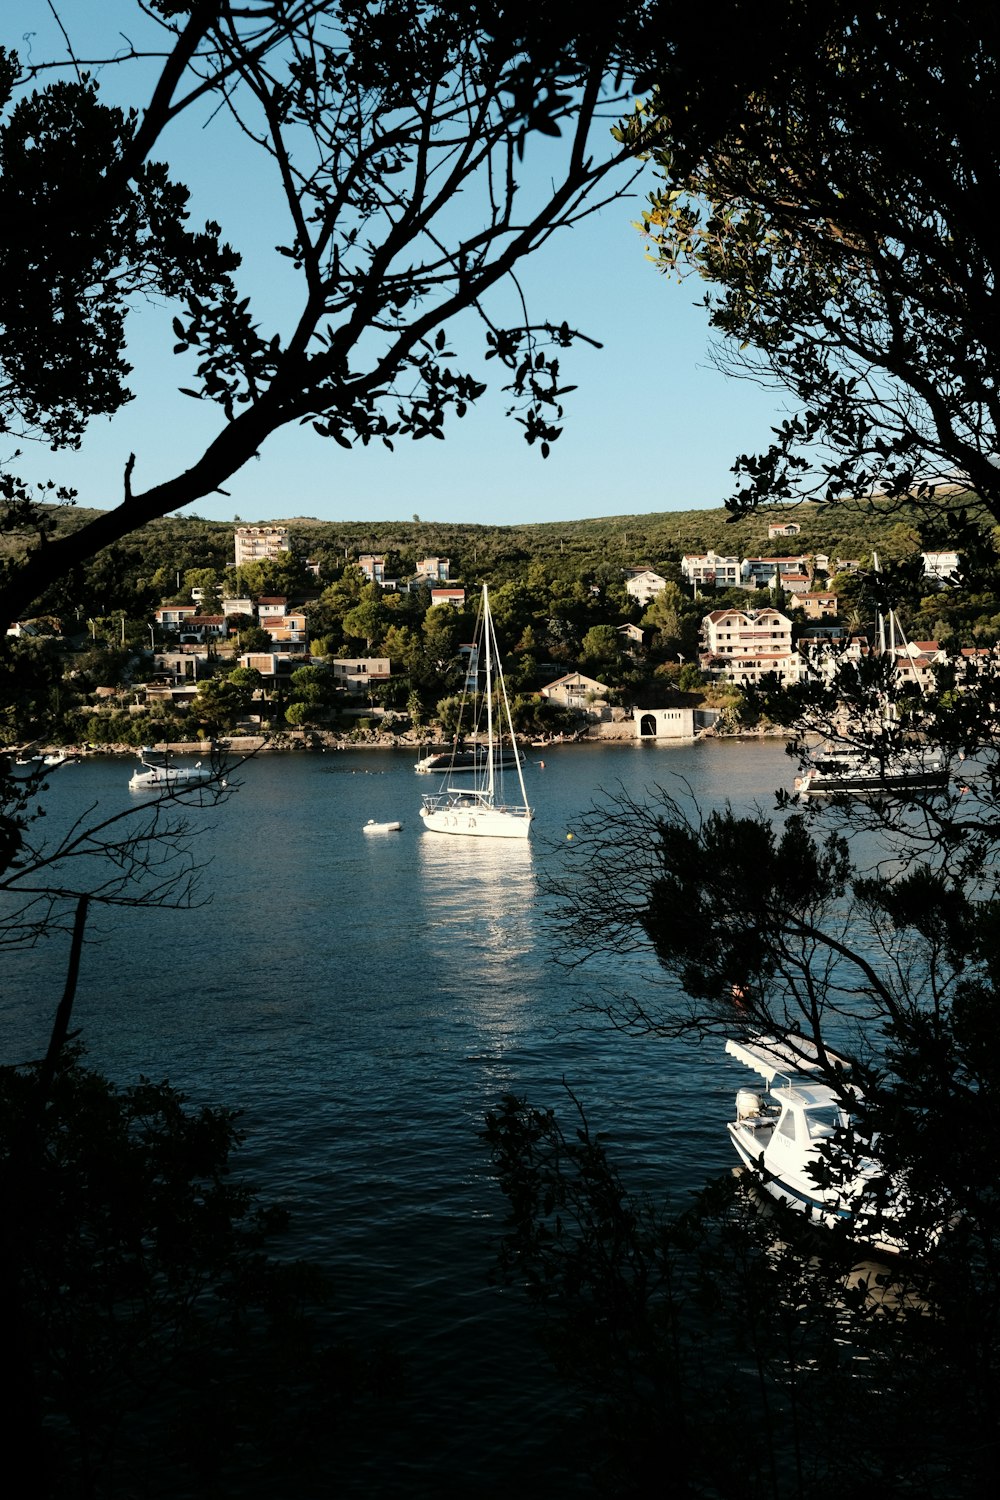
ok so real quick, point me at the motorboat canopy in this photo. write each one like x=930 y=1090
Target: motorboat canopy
x=774 y=1057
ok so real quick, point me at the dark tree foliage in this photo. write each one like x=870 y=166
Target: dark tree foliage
x=883 y=945
x=151 y=1315
x=79 y=245
x=719 y=1349
x=844 y=223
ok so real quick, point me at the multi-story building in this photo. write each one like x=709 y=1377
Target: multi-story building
x=578 y=691
x=642 y=584
x=709 y=568
x=437 y=569
x=372 y=565
x=206 y=628
x=940 y=567
x=256 y=542
x=238 y=607
x=770 y=572
x=744 y=645
x=171 y=617
x=915 y=663
x=355 y=673
x=818 y=606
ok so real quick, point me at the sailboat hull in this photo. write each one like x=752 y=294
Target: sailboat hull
x=478 y=821
x=844 y=771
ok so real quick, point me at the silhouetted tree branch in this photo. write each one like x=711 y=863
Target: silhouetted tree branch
x=394 y=135
x=843 y=224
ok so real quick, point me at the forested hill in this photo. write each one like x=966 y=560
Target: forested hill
x=599 y=547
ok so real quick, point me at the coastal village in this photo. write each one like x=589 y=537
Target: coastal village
x=367 y=649
x=602 y=1134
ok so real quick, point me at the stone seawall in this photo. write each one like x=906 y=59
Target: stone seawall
x=612 y=731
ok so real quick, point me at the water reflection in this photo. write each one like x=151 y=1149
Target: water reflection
x=478 y=894
x=480 y=934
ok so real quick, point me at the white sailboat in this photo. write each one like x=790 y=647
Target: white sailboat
x=480 y=810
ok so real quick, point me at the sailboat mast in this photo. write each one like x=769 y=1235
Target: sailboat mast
x=488 y=641
x=506 y=714
x=879 y=616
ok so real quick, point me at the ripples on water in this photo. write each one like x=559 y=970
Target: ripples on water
x=365 y=1000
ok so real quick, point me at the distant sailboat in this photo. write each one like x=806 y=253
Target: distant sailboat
x=882 y=762
x=480 y=810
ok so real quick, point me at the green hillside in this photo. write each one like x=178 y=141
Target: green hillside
x=654 y=537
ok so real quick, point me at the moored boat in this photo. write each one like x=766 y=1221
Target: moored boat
x=482 y=810
x=882 y=760
x=467 y=758
x=780 y=1138
x=373 y=827
x=872 y=769
x=164 y=776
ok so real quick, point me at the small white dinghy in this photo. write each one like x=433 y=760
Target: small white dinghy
x=372 y=827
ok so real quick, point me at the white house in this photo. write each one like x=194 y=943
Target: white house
x=788 y=528
x=744 y=632
x=939 y=567
x=643 y=584
x=271 y=607
x=708 y=567
x=204 y=628
x=355 y=673
x=578 y=691
x=238 y=607
x=172 y=616
x=769 y=572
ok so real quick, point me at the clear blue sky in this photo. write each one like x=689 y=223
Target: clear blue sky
x=652 y=426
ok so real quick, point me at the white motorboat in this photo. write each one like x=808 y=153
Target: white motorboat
x=373 y=827
x=780 y=1138
x=164 y=776
x=480 y=810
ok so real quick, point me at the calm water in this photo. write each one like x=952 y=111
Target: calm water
x=364 y=1001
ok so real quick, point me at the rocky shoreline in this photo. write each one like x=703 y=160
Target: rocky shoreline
x=299 y=741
